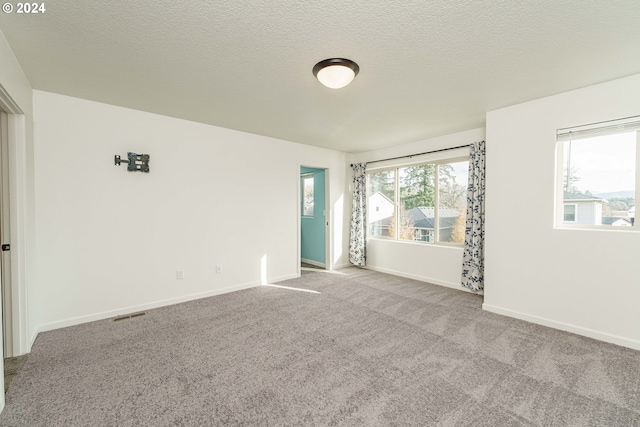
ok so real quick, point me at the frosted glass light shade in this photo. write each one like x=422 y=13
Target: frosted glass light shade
x=336 y=73
x=336 y=76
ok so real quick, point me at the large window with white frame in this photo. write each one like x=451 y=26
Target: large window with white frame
x=422 y=203
x=598 y=176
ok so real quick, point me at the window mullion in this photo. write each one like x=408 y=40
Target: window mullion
x=560 y=184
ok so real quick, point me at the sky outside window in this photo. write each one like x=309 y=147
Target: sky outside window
x=602 y=164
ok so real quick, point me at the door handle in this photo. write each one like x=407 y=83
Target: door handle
x=6 y=247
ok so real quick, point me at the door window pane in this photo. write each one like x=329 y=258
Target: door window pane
x=307 y=195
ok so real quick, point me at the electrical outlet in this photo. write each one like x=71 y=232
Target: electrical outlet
x=218 y=269
x=179 y=274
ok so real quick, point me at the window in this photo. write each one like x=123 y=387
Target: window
x=424 y=203
x=453 y=179
x=569 y=213
x=381 y=190
x=307 y=194
x=599 y=176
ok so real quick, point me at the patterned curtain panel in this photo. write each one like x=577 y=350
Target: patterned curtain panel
x=473 y=257
x=358 y=232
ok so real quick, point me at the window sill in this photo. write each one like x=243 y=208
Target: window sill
x=415 y=243
x=606 y=228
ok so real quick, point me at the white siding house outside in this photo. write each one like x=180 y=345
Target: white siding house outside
x=379 y=207
x=582 y=209
x=587 y=210
x=616 y=222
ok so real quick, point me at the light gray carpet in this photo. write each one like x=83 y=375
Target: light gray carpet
x=367 y=349
x=12 y=366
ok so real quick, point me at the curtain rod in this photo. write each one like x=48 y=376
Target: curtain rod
x=418 y=154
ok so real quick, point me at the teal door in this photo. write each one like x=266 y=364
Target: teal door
x=313 y=220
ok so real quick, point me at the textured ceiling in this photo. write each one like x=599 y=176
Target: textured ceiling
x=426 y=67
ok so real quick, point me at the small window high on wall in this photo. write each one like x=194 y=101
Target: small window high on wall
x=597 y=176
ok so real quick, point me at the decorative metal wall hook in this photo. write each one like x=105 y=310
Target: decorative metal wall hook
x=136 y=162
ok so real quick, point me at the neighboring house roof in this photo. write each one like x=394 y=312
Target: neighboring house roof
x=575 y=197
x=423 y=217
x=429 y=212
x=611 y=220
x=382 y=194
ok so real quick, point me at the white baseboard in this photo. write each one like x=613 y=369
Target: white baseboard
x=431 y=280
x=602 y=336
x=135 y=308
x=32 y=339
x=344 y=265
x=148 y=306
x=312 y=262
x=283 y=278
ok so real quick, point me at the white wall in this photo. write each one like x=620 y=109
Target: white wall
x=587 y=282
x=110 y=241
x=16 y=88
x=441 y=265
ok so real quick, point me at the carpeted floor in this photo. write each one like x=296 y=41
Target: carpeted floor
x=12 y=366
x=311 y=266
x=357 y=348
x=310 y=269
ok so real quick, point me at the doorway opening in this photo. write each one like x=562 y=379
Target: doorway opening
x=5 y=238
x=13 y=221
x=313 y=220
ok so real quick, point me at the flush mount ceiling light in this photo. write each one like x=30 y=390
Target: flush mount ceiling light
x=336 y=73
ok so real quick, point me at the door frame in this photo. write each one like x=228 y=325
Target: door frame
x=5 y=237
x=18 y=213
x=328 y=215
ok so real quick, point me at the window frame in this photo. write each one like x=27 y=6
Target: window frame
x=604 y=128
x=395 y=168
